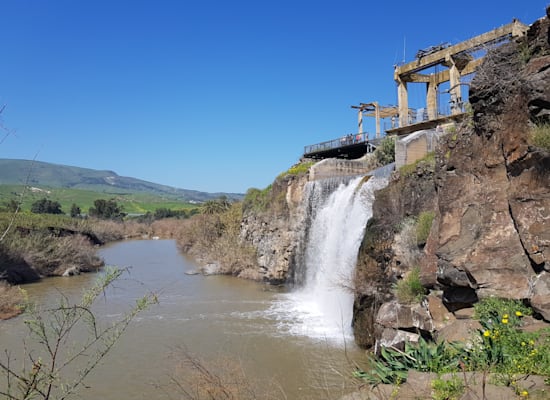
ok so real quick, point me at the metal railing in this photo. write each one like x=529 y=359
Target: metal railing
x=347 y=140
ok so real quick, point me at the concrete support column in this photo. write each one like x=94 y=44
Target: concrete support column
x=360 y=121
x=377 y=117
x=431 y=97
x=455 y=90
x=403 y=99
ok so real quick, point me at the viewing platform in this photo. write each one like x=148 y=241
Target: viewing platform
x=445 y=71
x=350 y=147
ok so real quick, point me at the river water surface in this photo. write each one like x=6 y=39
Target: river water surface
x=216 y=318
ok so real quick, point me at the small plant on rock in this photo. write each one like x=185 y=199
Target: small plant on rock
x=540 y=135
x=504 y=348
x=447 y=389
x=423 y=226
x=410 y=288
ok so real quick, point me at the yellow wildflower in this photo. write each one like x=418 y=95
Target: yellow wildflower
x=523 y=344
x=504 y=320
x=487 y=333
x=505 y=316
x=519 y=314
x=524 y=393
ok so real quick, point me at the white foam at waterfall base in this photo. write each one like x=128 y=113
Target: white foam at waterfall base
x=322 y=308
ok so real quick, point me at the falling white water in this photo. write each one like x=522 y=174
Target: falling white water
x=323 y=306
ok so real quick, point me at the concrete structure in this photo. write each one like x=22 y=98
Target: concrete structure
x=460 y=60
x=374 y=110
x=425 y=124
x=351 y=146
x=415 y=146
x=332 y=167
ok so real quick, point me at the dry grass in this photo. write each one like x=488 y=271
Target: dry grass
x=215 y=238
x=11 y=300
x=51 y=255
x=223 y=379
x=167 y=227
x=112 y=231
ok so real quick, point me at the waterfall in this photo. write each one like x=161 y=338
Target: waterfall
x=322 y=302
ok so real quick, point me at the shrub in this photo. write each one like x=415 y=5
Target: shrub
x=540 y=135
x=423 y=226
x=45 y=206
x=410 y=289
x=385 y=152
x=256 y=199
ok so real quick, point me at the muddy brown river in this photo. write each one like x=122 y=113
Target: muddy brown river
x=224 y=321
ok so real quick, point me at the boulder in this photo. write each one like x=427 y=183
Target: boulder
x=404 y=316
x=390 y=337
x=460 y=330
x=441 y=316
x=540 y=300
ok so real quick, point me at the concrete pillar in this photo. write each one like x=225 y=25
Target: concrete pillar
x=455 y=89
x=403 y=100
x=377 y=117
x=360 y=121
x=431 y=97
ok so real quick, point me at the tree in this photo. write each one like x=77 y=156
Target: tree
x=106 y=209
x=216 y=206
x=75 y=211
x=45 y=206
x=64 y=356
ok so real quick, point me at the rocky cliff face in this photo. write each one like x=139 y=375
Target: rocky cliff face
x=490 y=193
x=277 y=231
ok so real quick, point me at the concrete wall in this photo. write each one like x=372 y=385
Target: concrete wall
x=415 y=146
x=332 y=167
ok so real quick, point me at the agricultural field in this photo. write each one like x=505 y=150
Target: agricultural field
x=132 y=203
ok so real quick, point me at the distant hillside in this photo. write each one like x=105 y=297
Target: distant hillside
x=42 y=174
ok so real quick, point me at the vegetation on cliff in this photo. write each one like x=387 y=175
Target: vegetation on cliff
x=468 y=226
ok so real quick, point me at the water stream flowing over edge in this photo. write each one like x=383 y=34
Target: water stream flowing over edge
x=321 y=306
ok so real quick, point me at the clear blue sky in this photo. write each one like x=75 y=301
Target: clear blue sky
x=210 y=95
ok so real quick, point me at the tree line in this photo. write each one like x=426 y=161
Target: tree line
x=102 y=209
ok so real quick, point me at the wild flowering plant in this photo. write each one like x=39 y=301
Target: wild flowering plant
x=504 y=347
x=501 y=348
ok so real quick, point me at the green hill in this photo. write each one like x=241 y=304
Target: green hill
x=39 y=174
x=68 y=184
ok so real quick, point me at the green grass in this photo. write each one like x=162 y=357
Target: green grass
x=132 y=203
x=540 y=134
x=298 y=169
x=410 y=289
x=409 y=169
x=423 y=226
